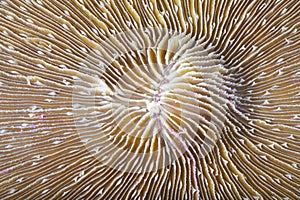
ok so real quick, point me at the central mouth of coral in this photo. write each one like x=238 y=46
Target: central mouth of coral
x=157 y=104
x=155 y=107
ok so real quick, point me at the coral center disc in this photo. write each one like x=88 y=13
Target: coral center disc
x=157 y=102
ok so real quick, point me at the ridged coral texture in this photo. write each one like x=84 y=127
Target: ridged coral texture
x=149 y=99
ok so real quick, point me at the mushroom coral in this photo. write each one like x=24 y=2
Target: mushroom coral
x=146 y=99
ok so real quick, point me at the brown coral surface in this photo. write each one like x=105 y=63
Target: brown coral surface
x=149 y=99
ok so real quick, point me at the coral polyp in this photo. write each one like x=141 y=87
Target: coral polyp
x=192 y=99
